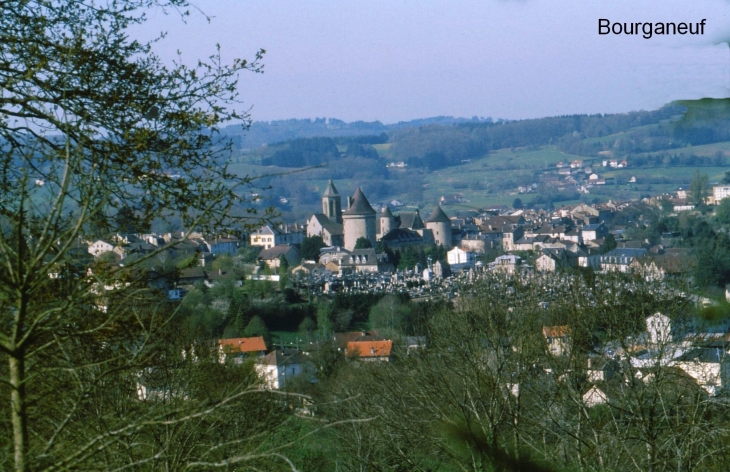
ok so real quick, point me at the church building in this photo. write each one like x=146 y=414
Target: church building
x=344 y=228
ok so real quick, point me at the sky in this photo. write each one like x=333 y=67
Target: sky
x=395 y=60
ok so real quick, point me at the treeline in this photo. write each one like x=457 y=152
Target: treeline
x=675 y=159
x=307 y=152
x=269 y=132
x=473 y=140
x=484 y=392
x=435 y=146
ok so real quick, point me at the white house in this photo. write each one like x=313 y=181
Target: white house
x=558 y=339
x=720 y=192
x=459 y=258
x=709 y=368
x=99 y=247
x=370 y=351
x=268 y=237
x=623 y=259
x=272 y=256
x=280 y=366
x=659 y=328
x=508 y=263
x=594 y=231
x=594 y=396
x=222 y=245
x=239 y=348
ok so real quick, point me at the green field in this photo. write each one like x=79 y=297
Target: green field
x=492 y=180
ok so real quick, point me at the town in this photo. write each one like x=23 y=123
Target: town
x=357 y=250
x=430 y=238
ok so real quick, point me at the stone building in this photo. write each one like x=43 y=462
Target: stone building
x=328 y=224
x=440 y=226
x=358 y=220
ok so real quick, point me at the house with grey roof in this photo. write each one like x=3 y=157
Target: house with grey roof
x=281 y=366
x=623 y=259
x=272 y=256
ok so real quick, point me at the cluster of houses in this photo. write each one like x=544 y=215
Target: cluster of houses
x=570 y=237
x=279 y=366
x=573 y=236
x=685 y=353
x=681 y=199
x=696 y=355
x=578 y=175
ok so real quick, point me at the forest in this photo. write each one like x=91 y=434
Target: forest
x=482 y=391
x=435 y=146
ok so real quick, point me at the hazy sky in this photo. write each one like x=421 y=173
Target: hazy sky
x=396 y=60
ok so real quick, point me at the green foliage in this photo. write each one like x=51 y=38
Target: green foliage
x=363 y=243
x=311 y=247
x=409 y=256
x=187 y=261
x=257 y=327
x=356 y=306
x=517 y=203
x=390 y=316
x=722 y=212
x=325 y=316
x=609 y=244
x=699 y=188
x=436 y=253
x=283 y=280
x=475 y=398
x=307 y=326
x=283 y=272
x=222 y=262
x=304 y=152
x=283 y=263
x=327 y=358
x=249 y=254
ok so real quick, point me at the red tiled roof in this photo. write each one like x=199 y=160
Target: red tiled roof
x=370 y=348
x=555 y=331
x=243 y=344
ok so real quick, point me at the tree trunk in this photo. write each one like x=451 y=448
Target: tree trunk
x=19 y=417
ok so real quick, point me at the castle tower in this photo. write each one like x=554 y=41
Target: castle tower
x=332 y=203
x=440 y=225
x=358 y=221
x=387 y=222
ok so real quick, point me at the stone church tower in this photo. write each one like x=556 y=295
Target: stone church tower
x=358 y=221
x=387 y=222
x=440 y=225
x=332 y=203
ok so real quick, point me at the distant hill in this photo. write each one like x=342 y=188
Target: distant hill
x=269 y=132
x=479 y=162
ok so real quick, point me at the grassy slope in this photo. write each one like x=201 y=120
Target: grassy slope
x=476 y=180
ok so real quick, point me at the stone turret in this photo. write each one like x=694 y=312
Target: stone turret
x=440 y=225
x=332 y=203
x=387 y=222
x=358 y=220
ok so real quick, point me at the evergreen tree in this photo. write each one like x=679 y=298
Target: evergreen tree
x=257 y=327
x=609 y=244
x=311 y=247
x=363 y=243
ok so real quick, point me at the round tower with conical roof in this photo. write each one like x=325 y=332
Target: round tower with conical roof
x=358 y=220
x=332 y=203
x=387 y=222
x=440 y=226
